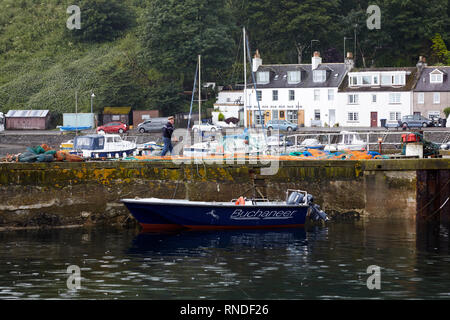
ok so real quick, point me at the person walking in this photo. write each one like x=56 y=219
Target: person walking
x=167 y=136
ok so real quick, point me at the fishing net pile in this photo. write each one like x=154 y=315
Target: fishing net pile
x=42 y=153
x=315 y=154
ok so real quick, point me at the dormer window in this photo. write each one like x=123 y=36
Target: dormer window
x=293 y=77
x=262 y=77
x=393 y=79
x=436 y=76
x=319 y=75
x=398 y=79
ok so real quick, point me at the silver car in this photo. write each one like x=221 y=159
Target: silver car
x=414 y=121
x=152 y=125
x=283 y=125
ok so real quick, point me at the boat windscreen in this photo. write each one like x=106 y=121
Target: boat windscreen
x=89 y=143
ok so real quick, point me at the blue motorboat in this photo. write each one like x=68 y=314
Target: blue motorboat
x=170 y=214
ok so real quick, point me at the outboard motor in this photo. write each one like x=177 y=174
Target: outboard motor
x=315 y=212
x=295 y=198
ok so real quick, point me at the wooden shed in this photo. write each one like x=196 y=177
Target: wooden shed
x=27 y=120
x=122 y=114
x=142 y=115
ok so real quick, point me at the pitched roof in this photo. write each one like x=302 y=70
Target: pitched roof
x=116 y=110
x=423 y=84
x=27 y=113
x=278 y=75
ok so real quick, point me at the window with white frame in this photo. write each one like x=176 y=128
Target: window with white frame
x=275 y=95
x=262 y=77
x=352 y=99
x=386 y=80
x=395 y=116
x=398 y=79
x=292 y=116
x=366 y=80
x=316 y=94
x=421 y=98
x=375 y=80
x=436 y=97
x=353 y=116
x=394 y=97
x=374 y=98
x=294 y=77
x=291 y=95
x=259 y=95
x=330 y=94
x=353 y=80
x=319 y=75
x=274 y=114
x=436 y=77
x=317 y=114
x=259 y=118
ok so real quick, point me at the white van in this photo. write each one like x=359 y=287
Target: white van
x=2 y=122
x=447 y=125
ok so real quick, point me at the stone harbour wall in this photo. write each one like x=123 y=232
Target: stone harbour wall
x=89 y=193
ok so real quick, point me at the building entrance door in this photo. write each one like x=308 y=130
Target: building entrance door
x=374 y=119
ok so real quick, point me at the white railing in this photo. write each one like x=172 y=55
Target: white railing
x=370 y=138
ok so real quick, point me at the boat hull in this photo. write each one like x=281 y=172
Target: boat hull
x=105 y=154
x=204 y=216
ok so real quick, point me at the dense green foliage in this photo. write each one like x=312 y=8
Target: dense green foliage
x=143 y=53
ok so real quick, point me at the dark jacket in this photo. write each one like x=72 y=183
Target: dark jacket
x=168 y=130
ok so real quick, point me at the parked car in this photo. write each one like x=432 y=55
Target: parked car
x=113 y=127
x=152 y=125
x=281 y=125
x=414 y=121
x=205 y=127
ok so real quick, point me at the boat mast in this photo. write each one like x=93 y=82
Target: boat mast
x=76 y=112
x=245 y=81
x=199 y=91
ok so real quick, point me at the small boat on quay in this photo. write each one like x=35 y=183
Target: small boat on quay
x=346 y=140
x=171 y=214
x=102 y=146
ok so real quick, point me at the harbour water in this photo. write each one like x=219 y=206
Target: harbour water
x=327 y=262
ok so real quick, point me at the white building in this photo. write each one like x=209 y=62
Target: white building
x=368 y=95
x=229 y=103
x=305 y=94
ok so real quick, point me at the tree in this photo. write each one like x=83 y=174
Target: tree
x=176 y=32
x=440 y=49
x=283 y=30
x=102 y=20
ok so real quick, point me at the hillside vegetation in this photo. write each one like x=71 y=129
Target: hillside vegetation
x=143 y=53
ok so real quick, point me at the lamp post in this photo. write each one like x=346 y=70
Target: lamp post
x=92 y=103
x=92 y=100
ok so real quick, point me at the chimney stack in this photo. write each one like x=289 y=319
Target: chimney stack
x=316 y=60
x=422 y=63
x=257 y=61
x=349 y=62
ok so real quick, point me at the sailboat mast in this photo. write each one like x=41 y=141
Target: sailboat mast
x=199 y=91
x=245 y=81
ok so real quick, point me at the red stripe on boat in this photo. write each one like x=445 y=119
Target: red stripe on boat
x=160 y=227
x=243 y=227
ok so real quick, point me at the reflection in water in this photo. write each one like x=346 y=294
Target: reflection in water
x=198 y=242
x=314 y=263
